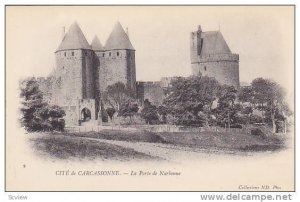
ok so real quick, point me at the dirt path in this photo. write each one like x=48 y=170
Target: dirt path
x=174 y=153
x=171 y=153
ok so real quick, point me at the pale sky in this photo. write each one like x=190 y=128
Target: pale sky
x=262 y=36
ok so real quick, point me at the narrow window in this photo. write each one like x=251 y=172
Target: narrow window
x=109 y=53
x=103 y=54
x=117 y=53
x=72 y=53
x=65 y=54
x=205 y=68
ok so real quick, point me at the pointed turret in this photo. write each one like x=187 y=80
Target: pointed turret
x=74 y=39
x=96 y=44
x=118 y=39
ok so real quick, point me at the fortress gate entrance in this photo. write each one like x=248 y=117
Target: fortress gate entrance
x=85 y=114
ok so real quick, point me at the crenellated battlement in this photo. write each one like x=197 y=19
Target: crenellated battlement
x=148 y=83
x=217 y=58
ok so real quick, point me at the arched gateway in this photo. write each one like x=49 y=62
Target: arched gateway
x=85 y=115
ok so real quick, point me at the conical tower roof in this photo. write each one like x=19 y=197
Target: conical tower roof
x=96 y=44
x=74 y=39
x=118 y=39
x=214 y=43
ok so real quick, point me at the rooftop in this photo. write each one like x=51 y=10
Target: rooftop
x=213 y=43
x=96 y=44
x=118 y=39
x=74 y=39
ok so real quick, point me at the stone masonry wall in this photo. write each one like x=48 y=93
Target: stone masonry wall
x=97 y=73
x=72 y=112
x=47 y=86
x=195 y=38
x=75 y=82
x=88 y=71
x=226 y=72
x=151 y=91
x=75 y=68
x=100 y=63
x=131 y=72
x=114 y=68
x=69 y=69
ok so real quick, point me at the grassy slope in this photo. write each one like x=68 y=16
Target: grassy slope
x=218 y=140
x=65 y=147
x=241 y=142
x=132 y=136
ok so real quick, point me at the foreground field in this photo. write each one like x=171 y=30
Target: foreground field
x=136 y=145
x=219 y=140
x=59 y=146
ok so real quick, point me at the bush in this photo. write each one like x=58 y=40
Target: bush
x=236 y=126
x=37 y=115
x=58 y=124
x=110 y=112
x=257 y=132
x=149 y=113
x=256 y=119
x=104 y=116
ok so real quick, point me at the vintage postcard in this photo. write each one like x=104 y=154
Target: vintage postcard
x=150 y=98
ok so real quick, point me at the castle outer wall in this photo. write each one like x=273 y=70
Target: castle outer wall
x=152 y=91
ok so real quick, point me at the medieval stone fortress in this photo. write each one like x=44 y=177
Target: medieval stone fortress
x=84 y=71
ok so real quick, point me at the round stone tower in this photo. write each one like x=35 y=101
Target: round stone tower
x=118 y=60
x=74 y=63
x=75 y=74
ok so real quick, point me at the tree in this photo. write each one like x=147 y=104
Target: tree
x=187 y=97
x=37 y=115
x=56 y=115
x=118 y=94
x=247 y=112
x=270 y=97
x=226 y=109
x=32 y=101
x=50 y=118
x=246 y=95
x=110 y=112
x=149 y=112
x=163 y=111
x=129 y=110
x=121 y=100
